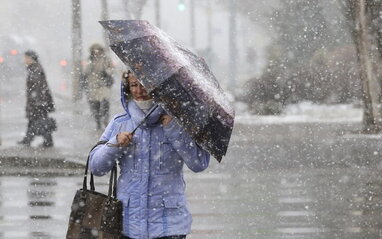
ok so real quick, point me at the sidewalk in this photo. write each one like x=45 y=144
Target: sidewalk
x=75 y=136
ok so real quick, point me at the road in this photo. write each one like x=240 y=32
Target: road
x=277 y=181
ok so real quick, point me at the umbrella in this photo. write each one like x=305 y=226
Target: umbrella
x=178 y=79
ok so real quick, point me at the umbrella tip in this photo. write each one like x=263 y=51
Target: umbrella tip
x=104 y=23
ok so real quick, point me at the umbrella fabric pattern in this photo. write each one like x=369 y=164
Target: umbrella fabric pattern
x=178 y=79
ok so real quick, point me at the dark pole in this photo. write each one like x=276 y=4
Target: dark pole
x=127 y=10
x=232 y=45
x=104 y=17
x=105 y=10
x=192 y=20
x=209 y=24
x=76 y=49
x=209 y=32
x=157 y=13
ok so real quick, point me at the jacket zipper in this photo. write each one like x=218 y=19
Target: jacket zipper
x=161 y=154
x=135 y=157
x=148 y=182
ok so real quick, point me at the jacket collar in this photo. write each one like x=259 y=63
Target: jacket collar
x=137 y=115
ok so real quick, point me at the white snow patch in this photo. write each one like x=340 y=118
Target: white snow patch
x=307 y=112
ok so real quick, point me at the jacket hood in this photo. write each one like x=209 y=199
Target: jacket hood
x=124 y=97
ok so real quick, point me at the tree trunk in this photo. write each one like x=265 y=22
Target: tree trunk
x=370 y=84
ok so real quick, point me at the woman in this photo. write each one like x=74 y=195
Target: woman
x=151 y=184
x=98 y=81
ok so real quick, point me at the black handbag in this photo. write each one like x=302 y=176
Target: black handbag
x=95 y=215
x=43 y=125
x=46 y=125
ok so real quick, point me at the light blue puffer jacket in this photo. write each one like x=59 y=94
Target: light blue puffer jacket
x=151 y=184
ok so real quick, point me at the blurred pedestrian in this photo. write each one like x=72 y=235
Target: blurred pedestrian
x=39 y=103
x=98 y=79
x=151 y=184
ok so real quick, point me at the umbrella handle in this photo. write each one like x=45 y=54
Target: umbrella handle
x=140 y=123
x=144 y=119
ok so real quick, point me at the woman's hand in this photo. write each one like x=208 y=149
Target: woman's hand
x=124 y=139
x=165 y=119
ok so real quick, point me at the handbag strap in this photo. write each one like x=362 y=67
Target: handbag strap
x=113 y=183
x=112 y=180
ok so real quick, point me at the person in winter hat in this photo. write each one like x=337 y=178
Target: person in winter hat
x=151 y=160
x=98 y=79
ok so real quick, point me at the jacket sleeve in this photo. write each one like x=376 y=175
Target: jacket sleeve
x=196 y=158
x=104 y=156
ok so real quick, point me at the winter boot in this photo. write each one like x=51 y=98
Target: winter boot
x=48 y=141
x=24 y=142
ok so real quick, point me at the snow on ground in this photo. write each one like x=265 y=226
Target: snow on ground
x=305 y=112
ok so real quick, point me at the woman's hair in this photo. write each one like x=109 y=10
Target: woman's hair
x=125 y=80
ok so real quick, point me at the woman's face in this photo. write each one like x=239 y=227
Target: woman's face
x=137 y=91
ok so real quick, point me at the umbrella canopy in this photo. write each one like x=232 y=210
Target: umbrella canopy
x=178 y=79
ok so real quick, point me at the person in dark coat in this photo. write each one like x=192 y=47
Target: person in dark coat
x=39 y=103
